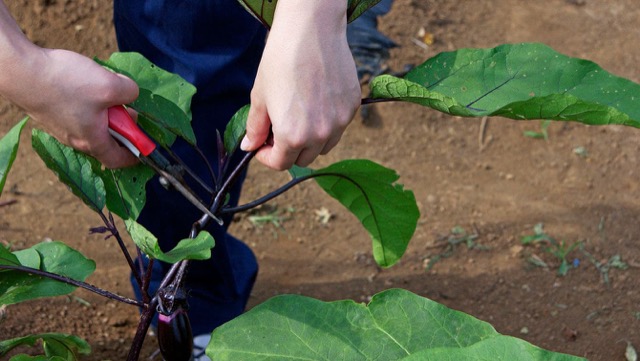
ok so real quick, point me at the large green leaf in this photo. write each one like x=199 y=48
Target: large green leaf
x=521 y=81
x=125 y=187
x=8 y=150
x=73 y=168
x=198 y=248
x=53 y=257
x=264 y=10
x=164 y=102
x=396 y=325
x=57 y=346
x=122 y=190
x=387 y=211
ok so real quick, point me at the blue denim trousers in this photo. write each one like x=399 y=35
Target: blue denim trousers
x=215 y=45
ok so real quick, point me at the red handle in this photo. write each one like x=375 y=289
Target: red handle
x=123 y=125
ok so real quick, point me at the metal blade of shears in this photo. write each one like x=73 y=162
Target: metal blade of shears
x=126 y=131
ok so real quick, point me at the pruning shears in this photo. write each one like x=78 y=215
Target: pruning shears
x=126 y=131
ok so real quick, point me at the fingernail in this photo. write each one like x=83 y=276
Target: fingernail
x=244 y=145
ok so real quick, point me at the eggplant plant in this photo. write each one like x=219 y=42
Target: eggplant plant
x=385 y=208
x=518 y=81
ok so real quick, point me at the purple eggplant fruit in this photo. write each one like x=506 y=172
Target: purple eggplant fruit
x=174 y=329
x=174 y=336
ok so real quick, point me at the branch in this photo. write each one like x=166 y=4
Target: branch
x=266 y=198
x=69 y=281
x=366 y=101
x=111 y=224
x=231 y=180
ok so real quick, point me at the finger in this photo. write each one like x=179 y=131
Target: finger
x=258 y=128
x=307 y=156
x=277 y=157
x=106 y=149
x=124 y=90
x=331 y=143
x=109 y=151
x=115 y=155
x=133 y=114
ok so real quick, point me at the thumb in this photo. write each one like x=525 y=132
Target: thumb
x=258 y=127
x=125 y=90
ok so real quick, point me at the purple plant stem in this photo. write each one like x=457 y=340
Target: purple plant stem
x=69 y=281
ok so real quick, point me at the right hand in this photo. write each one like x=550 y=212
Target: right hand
x=69 y=94
x=306 y=90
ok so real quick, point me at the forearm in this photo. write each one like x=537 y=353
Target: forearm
x=66 y=93
x=11 y=37
x=18 y=57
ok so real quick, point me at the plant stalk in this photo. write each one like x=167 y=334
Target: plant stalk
x=110 y=223
x=266 y=198
x=146 y=316
x=217 y=202
x=70 y=281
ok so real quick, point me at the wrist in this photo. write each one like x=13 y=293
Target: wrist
x=332 y=14
x=21 y=65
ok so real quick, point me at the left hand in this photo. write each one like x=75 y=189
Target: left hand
x=307 y=90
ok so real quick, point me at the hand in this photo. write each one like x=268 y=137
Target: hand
x=307 y=90
x=68 y=94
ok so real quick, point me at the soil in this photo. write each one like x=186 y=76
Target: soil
x=490 y=180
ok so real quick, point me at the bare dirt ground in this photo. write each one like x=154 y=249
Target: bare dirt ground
x=495 y=183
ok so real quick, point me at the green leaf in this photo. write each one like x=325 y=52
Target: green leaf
x=125 y=189
x=264 y=10
x=164 y=102
x=57 y=346
x=387 y=211
x=53 y=257
x=162 y=119
x=521 y=81
x=9 y=149
x=396 y=325
x=357 y=7
x=8 y=258
x=236 y=129
x=499 y=347
x=198 y=248
x=73 y=168
x=29 y=257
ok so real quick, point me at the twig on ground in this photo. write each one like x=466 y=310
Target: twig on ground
x=8 y=203
x=481 y=133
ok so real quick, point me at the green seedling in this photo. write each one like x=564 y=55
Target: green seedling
x=80 y=300
x=274 y=217
x=581 y=152
x=614 y=261
x=559 y=249
x=456 y=236
x=542 y=134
